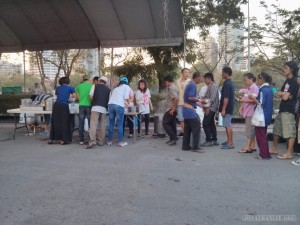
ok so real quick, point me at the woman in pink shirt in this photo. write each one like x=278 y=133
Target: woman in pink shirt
x=247 y=110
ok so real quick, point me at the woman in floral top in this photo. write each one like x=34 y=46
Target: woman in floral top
x=143 y=100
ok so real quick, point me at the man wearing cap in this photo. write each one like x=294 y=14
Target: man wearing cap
x=83 y=91
x=99 y=96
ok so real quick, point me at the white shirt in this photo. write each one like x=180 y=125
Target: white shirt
x=144 y=101
x=119 y=95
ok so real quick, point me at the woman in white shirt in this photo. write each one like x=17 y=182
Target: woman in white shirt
x=143 y=100
x=119 y=97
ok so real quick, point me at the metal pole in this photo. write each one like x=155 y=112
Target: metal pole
x=111 y=65
x=99 y=60
x=249 y=66
x=24 y=73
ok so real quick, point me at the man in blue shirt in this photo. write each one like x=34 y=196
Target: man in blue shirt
x=191 y=118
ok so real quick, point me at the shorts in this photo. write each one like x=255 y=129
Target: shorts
x=179 y=113
x=249 y=128
x=227 y=120
x=285 y=125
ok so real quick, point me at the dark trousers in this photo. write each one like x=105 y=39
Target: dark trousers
x=169 y=124
x=262 y=141
x=84 y=112
x=146 y=118
x=128 y=120
x=209 y=126
x=191 y=126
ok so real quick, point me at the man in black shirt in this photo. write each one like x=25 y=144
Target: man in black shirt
x=227 y=105
x=285 y=123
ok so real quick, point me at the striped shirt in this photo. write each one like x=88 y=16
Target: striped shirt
x=212 y=93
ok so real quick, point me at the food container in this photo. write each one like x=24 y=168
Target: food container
x=26 y=101
x=49 y=104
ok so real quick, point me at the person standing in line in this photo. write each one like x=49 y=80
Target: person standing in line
x=143 y=100
x=83 y=94
x=95 y=80
x=181 y=84
x=247 y=110
x=61 y=121
x=191 y=118
x=99 y=96
x=285 y=123
x=297 y=110
x=169 y=118
x=118 y=99
x=209 y=124
x=265 y=100
x=129 y=119
x=227 y=106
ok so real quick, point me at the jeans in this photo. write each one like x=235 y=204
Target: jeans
x=209 y=126
x=115 y=111
x=97 y=128
x=191 y=126
x=169 y=124
x=84 y=112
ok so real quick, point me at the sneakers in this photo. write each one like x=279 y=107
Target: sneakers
x=215 y=143
x=172 y=143
x=207 y=144
x=296 y=162
x=122 y=144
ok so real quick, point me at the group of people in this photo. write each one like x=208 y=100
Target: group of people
x=182 y=101
x=96 y=101
x=258 y=93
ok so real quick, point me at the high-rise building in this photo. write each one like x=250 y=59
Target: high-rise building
x=87 y=63
x=231 y=46
x=8 y=68
x=209 y=51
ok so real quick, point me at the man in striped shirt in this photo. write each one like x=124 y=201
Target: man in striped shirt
x=210 y=108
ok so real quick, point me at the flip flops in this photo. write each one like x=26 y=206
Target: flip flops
x=225 y=147
x=284 y=156
x=244 y=150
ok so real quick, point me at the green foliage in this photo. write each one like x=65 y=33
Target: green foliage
x=281 y=33
x=10 y=102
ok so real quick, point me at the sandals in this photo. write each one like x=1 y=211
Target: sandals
x=225 y=147
x=273 y=153
x=88 y=146
x=284 y=156
x=244 y=150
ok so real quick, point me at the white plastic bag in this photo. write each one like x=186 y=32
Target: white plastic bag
x=258 y=118
x=86 y=124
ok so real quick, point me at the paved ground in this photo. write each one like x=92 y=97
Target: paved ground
x=147 y=183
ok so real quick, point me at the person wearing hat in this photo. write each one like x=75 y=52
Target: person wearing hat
x=118 y=100
x=83 y=92
x=99 y=96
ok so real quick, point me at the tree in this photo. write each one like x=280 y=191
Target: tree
x=280 y=34
x=201 y=14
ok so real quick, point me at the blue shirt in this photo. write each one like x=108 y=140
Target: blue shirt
x=190 y=91
x=227 y=92
x=267 y=103
x=63 y=93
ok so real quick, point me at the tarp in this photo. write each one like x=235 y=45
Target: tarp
x=65 y=24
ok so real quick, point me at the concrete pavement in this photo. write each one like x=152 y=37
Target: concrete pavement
x=147 y=183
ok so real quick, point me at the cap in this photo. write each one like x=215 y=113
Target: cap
x=124 y=79
x=85 y=77
x=103 y=78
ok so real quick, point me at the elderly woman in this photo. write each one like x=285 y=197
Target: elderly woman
x=247 y=110
x=265 y=100
x=61 y=122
